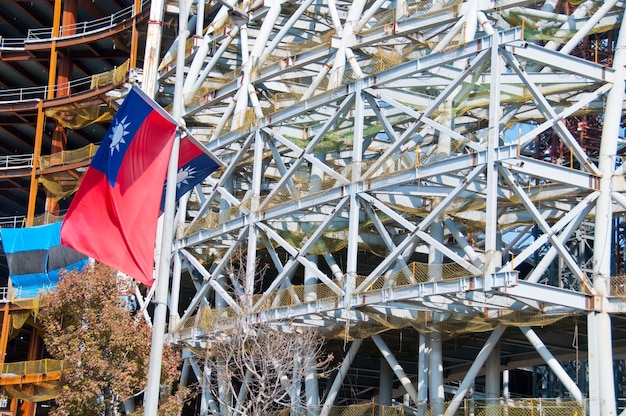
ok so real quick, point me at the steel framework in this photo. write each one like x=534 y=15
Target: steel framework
x=387 y=159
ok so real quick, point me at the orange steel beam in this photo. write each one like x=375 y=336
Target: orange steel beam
x=4 y=334
x=13 y=379
x=34 y=353
x=22 y=172
x=53 y=49
x=134 y=39
x=64 y=73
x=32 y=196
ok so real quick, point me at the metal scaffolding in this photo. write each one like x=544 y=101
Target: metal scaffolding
x=409 y=169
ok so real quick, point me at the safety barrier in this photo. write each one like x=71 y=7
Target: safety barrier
x=76 y=29
x=24 y=368
x=521 y=407
x=41 y=92
x=12 y=222
x=16 y=161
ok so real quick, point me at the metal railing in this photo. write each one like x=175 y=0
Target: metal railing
x=12 y=222
x=16 y=161
x=76 y=29
x=4 y=294
x=41 y=92
x=12 y=43
x=22 y=368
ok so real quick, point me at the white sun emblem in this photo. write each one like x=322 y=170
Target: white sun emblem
x=184 y=174
x=117 y=136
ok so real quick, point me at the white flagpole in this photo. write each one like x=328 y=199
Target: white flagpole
x=151 y=395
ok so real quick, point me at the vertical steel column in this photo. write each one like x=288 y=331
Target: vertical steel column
x=134 y=37
x=200 y=18
x=422 y=374
x=52 y=70
x=61 y=89
x=311 y=387
x=28 y=408
x=32 y=195
x=435 y=374
x=492 y=375
x=492 y=256
x=385 y=384
x=175 y=291
x=257 y=174
x=6 y=329
x=207 y=401
x=435 y=273
x=4 y=340
x=153 y=47
x=601 y=359
x=355 y=207
x=506 y=393
x=492 y=381
x=310 y=280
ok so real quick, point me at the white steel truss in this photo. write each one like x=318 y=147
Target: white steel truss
x=383 y=158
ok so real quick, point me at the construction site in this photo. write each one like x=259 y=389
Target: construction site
x=436 y=187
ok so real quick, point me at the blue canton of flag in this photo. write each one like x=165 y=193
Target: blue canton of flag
x=194 y=164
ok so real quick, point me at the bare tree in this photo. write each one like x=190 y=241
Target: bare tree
x=259 y=368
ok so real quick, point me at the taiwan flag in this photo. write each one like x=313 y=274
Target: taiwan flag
x=113 y=216
x=194 y=164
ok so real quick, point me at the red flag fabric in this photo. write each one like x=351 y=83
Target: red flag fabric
x=113 y=216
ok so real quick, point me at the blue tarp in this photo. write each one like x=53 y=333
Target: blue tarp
x=35 y=257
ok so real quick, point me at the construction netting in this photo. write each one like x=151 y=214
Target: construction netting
x=552 y=29
x=61 y=184
x=64 y=182
x=34 y=392
x=517 y=407
x=36 y=380
x=34 y=367
x=115 y=76
x=618 y=286
x=213 y=320
x=366 y=409
x=82 y=113
x=28 y=307
x=521 y=407
x=527 y=407
x=68 y=157
x=46 y=218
